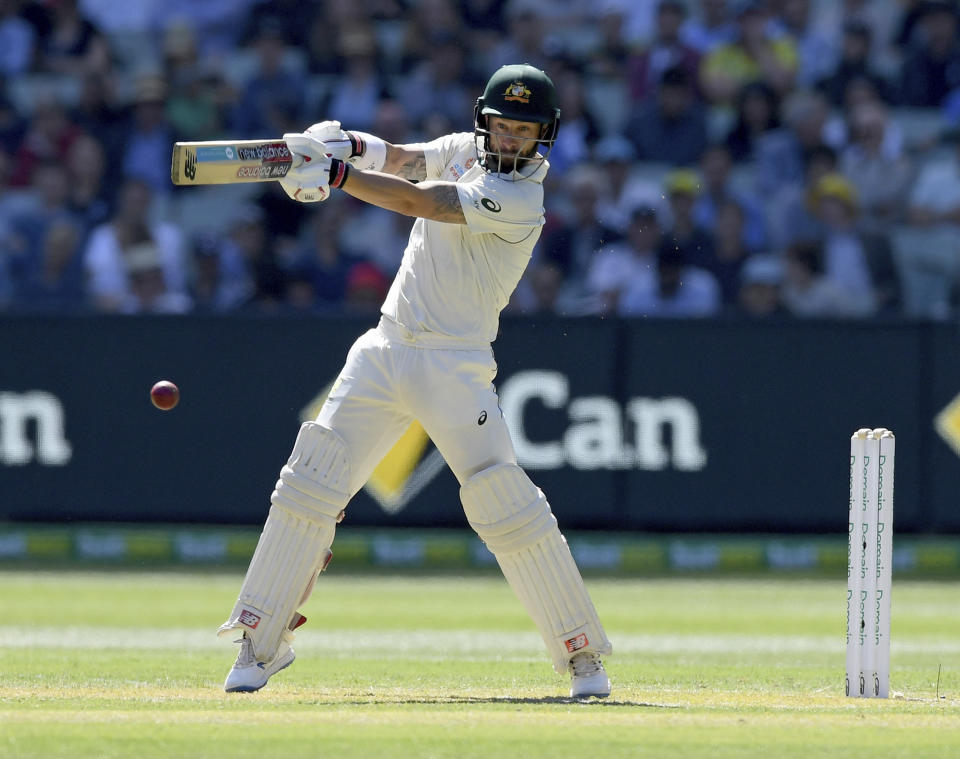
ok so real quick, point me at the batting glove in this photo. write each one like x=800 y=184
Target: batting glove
x=337 y=142
x=359 y=149
x=310 y=180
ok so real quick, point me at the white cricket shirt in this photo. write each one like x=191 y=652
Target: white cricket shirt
x=455 y=279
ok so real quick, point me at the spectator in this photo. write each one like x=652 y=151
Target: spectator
x=438 y=85
x=931 y=69
x=709 y=26
x=45 y=201
x=218 y=285
x=46 y=234
x=609 y=56
x=541 y=290
x=89 y=195
x=854 y=65
x=928 y=251
x=218 y=22
x=17 y=40
x=149 y=292
x=323 y=28
x=666 y=50
x=839 y=129
x=198 y=93
x=623 y=266
x=428 y=20
x=671 y=126
x=615 y=155
x=527 y=21
x=486 y=21
x=728 y=252
x=683 y=232
x=53 y=279
x=571 y=241
x=130 y=30
x=860 y=262
x=252 y=255
x=876 y=165
x=294 y=17
x=323 y=260
x=817 y=44
x=755 y=54
x=48 y=138
x=580 y=126
x=69 y=43
x=12 y=125
x=233 y=262
x=806 y=291
x=760 y=281
x=781 y=155
x=717 y=188
x=360 y=88
x=96 y=113
x=882 y=21
x=300 y=296
x=107 y=281
x=757 y=112
x=272 y=101
x=677 y=290
x=366 y=288
x=372 y=234
x=392 y=122
x=789 y=210
x=146 y=152
x=635 y=22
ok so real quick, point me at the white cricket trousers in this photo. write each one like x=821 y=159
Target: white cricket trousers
x=391 y=378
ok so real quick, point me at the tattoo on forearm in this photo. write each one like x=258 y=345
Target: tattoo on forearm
x=447 y=206
x=414 y=167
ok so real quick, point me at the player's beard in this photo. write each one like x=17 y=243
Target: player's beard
x=507 y=162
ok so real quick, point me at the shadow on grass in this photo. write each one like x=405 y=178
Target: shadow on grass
x=458 y=700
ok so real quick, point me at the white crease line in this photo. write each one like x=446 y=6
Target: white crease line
x=453 y=642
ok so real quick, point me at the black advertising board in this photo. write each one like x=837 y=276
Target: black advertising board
x=626 y=425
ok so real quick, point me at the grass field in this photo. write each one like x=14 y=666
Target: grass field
x=118 y=664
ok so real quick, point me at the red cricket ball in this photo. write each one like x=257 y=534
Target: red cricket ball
x=165 y=395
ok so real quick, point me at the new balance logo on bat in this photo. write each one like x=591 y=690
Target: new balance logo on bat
x=272 y=171
x=190 y=165
x=277 y=151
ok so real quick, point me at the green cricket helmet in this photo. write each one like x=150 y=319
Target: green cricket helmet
x=520 y=92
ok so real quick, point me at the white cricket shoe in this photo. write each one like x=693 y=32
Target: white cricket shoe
x=249 y=675
x=588 y=677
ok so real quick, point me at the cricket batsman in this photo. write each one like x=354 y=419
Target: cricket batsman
x=478 y=203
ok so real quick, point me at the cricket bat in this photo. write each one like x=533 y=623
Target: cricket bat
x=230 y=161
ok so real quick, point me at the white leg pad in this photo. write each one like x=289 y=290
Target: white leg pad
x=310 y=495
x=512 y=516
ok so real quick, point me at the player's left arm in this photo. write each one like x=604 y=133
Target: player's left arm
x=434 y=200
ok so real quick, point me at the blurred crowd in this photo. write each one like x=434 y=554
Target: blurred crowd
x=744 y=158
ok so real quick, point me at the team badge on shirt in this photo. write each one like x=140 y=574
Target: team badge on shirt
x=518 y=92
